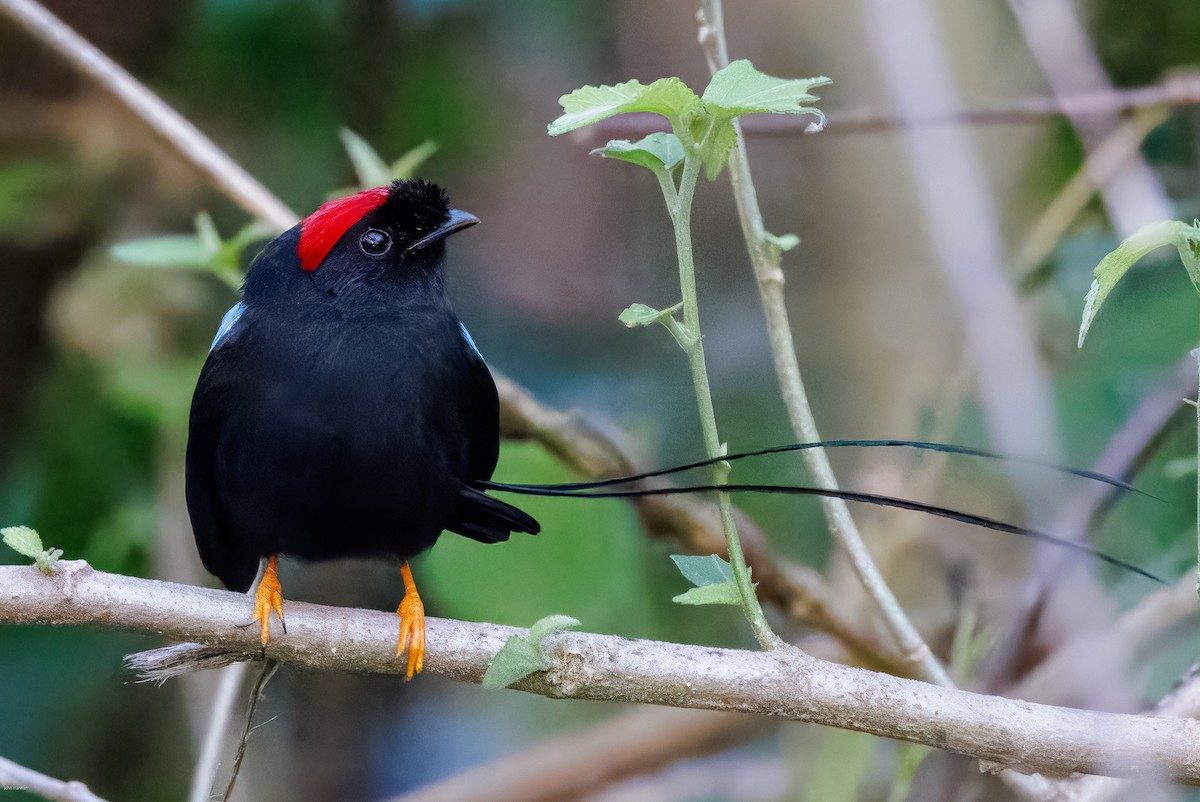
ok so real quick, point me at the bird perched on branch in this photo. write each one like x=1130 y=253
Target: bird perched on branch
x=343 y=409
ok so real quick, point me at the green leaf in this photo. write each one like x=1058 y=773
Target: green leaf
x=548 y=626
x=707 y=570
x=659 y=150
x=174 y=251
x=27 y=542
x=407 y=165
x=517 y=659
x=1185 y=238
x=784 y=242
x=520 y=656
x=739 y=89
x=641 y=315
x=206 y=231
x=714 y=149
x=23 y=540
x=722 y=593
x=372 y=171
x=669 y=97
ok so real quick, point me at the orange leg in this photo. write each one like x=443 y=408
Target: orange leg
x=268 y=598
x=412 y=624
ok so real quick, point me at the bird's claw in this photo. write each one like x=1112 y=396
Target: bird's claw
x=412 y=633
x=268 y=599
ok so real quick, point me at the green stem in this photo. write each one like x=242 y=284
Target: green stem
x=1196 y=356
x=680 y=204
x=766 y=260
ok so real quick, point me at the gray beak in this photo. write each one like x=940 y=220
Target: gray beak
x=457 y=222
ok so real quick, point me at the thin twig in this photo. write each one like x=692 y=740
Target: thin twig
x=784 y=683
x=765 y=259
x=194 y=146
x=15 y=777
x=269 y=668
x=209 y=759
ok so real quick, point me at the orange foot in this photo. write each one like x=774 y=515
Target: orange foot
x=268 y=598
x=412 y=624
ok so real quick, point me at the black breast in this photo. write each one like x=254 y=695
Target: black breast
x=323 y=439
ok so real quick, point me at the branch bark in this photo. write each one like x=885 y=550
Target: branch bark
x=785 y=683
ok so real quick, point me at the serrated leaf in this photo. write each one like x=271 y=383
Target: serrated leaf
x=1185 y=238
x=636 y=315
x=371 y=169
x=723 y=593
x=707 y=570
x=407 y=165
x=174 y=251
x=659 y=150
x=23 y=540
x=669 y=97
x=739 y=88
x=549 y=625
x=517 y=659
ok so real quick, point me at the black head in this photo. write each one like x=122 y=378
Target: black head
x=387 y=242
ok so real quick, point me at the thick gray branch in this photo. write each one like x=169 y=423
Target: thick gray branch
x=785 y=683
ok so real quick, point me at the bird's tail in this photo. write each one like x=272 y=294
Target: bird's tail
x=489 y=520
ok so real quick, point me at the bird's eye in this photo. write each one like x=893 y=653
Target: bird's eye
x=375 y=242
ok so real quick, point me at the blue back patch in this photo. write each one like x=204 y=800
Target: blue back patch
x=467 y=336
x=227 y=323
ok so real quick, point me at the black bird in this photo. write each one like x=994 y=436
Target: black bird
x=344 y=409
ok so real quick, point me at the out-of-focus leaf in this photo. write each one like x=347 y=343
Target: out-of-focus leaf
x=206 y=230
x=371 y=169
x=185 y=250
x=1185 y=238
x=406 y=166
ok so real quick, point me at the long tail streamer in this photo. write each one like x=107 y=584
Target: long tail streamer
x=847 y=495
x=923 y=445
